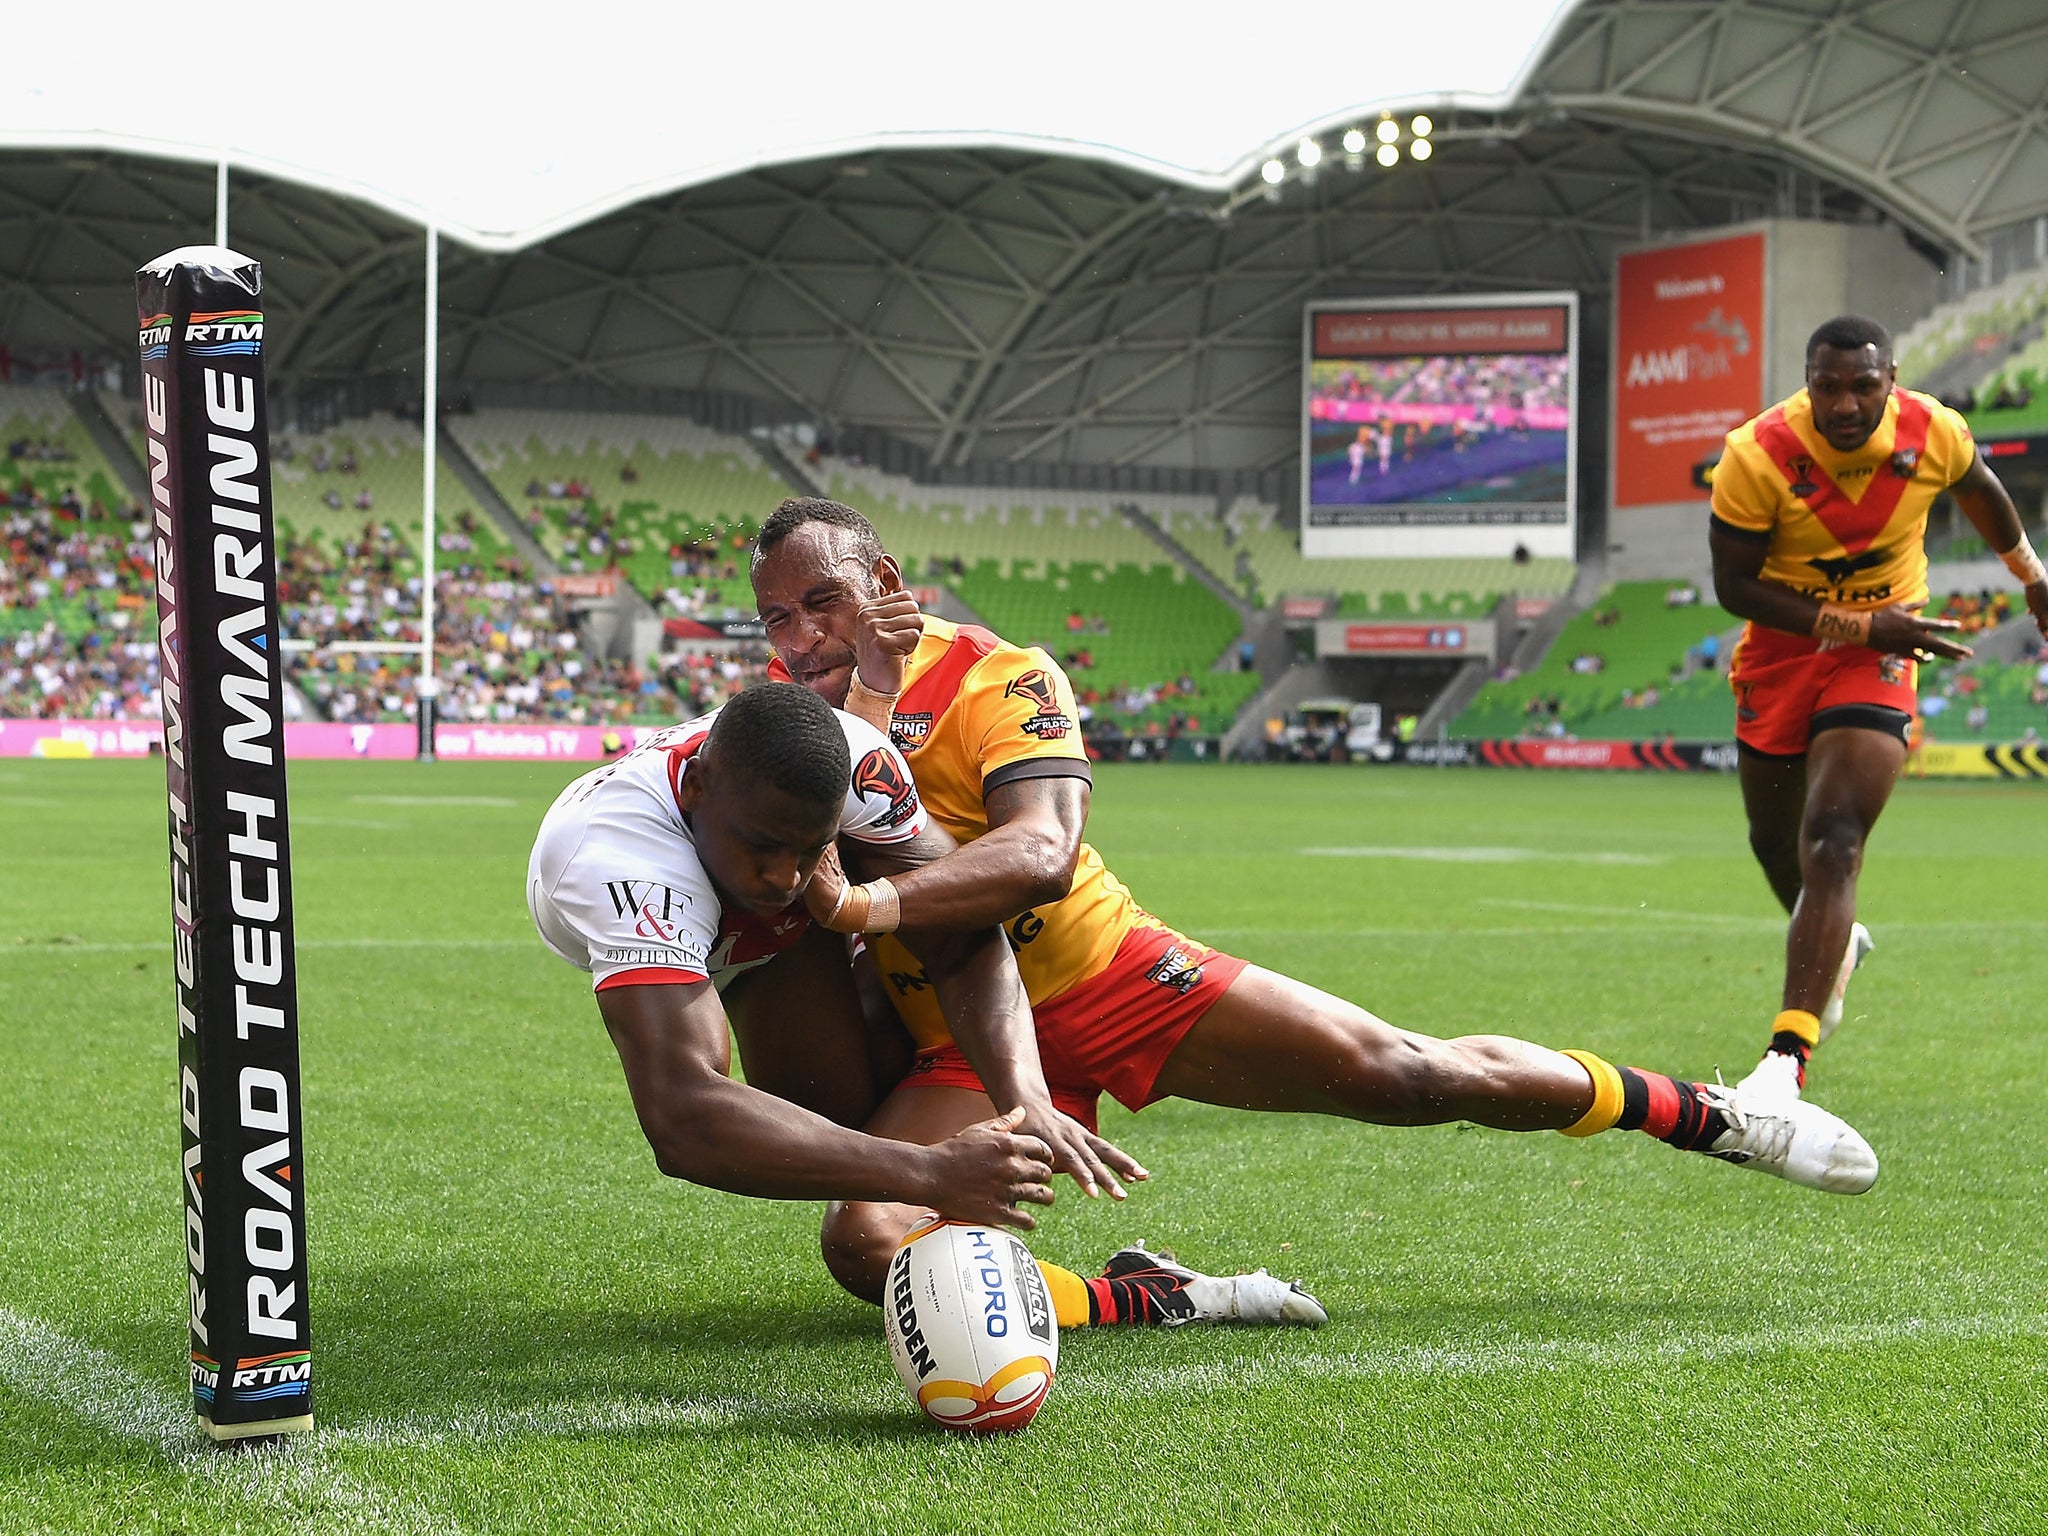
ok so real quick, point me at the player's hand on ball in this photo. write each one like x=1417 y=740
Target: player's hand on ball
x=1093 y=1163
x=890 y=628
x=989 y=1172
x=1900 y=631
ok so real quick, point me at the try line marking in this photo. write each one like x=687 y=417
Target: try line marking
x=296 y=1484
x=1484 y=855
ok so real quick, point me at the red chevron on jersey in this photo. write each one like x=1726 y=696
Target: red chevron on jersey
x=1854 y=524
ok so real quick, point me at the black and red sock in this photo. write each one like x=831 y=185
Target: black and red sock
x=1668 y=1108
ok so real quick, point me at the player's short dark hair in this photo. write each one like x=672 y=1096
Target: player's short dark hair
x=798 y=510
x=1849 y=333
x=784 y=735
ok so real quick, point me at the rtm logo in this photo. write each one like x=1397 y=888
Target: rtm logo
x=273 y=1370
x=237 y=332
x=154 y=336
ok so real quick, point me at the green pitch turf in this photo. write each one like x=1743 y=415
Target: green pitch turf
x=521 y=1328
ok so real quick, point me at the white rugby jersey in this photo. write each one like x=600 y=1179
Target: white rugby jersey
x=615 y=885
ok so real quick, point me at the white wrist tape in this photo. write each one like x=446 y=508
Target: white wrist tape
x=2024 y=563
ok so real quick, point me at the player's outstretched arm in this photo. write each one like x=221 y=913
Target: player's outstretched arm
x=985 y=1005
x=1739 y=586
x=1989 y=507
x=703 y=1127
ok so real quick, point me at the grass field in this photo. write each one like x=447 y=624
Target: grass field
x=519 y=1327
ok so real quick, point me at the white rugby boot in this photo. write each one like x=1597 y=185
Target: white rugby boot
x=1860 y=944
x=1180 y=1295
x=1790 y=1139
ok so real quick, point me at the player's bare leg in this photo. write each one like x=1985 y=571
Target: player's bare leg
x=1848 y=774
x=1138 y=1286
x=1274 y=1043
x=1774 y=801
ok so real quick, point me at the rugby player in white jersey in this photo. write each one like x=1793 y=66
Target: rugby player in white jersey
x=674 y=872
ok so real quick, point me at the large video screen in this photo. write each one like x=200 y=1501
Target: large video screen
x=1440 y=427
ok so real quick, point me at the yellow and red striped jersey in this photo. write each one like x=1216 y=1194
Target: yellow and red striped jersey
x=977 y=712
x=1848 y=528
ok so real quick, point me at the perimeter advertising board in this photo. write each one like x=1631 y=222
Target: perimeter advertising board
x=1440 y=426
x=1689 y=348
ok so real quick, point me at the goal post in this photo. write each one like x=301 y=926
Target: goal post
x=201 y=339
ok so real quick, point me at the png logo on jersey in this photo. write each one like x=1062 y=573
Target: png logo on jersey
x=910 y=731
x=1177 y=969
x=878 y=774
x=1050 y=722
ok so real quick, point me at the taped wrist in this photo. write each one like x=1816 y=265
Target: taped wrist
x=1844 y=626
x=2024 y=563
x=871 y=908
x=864 y=703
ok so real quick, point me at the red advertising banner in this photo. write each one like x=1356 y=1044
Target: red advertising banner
x=603 y=585
x=1344 y=637
x=1689 y=361
x=1415 y=332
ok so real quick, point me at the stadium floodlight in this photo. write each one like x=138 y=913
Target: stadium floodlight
x=1388 y=155
x=1354 y=141
x=1422 y=127
x=1419 y=148
x=1308 y=152
x=1388 y=130
x=1274 y=172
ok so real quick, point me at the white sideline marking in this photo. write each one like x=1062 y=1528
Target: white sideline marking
x=23 y=946
x=625 y=1415
x=1526 y=1356
x=1775 y=924
x=296 y=1482
x=1654 y=914
x=497 y=801
x=1439 y=935
x=1484 y=855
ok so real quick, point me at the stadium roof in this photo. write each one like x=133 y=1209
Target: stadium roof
x=549 y=116
x=996 y=295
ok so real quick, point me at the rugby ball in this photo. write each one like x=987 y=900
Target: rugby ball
x=970 y=1326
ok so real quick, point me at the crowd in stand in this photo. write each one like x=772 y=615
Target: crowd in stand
x=1976 y=611
x=77 y=638
x=507 y=647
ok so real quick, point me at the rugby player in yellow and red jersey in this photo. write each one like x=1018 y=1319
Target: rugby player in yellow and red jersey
x=1819 y=540
x=1121 y=1001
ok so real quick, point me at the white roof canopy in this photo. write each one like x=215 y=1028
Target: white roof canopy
x=507 y=124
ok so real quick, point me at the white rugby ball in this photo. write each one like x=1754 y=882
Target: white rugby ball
x=970 y=1326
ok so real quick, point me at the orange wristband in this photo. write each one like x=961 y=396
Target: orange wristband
x=1841 y=626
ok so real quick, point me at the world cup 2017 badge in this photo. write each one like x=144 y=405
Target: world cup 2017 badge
x=1048 y=721
x=1904 y=462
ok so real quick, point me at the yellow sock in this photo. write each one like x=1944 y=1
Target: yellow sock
x=1069 y=1295
x=1606 y=1096
x=1797 y=1021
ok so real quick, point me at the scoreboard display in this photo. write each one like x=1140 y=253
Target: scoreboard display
x=1440 y=426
